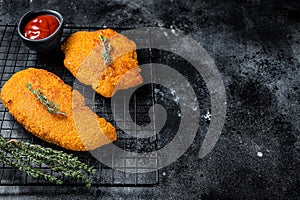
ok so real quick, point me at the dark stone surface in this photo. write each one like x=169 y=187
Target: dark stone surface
x=256 y=47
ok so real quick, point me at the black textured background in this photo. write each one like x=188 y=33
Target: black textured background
x=256 y=47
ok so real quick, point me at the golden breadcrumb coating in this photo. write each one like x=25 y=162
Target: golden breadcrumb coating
x=83 y=57
x=80 y=130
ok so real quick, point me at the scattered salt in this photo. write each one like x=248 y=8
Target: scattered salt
x=259 y=154
x=207 y=116
x=173 y=92
x=174 y=32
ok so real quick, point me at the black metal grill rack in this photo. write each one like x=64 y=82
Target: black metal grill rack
x=15 y=57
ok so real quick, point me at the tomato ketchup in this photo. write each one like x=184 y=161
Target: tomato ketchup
x=41 y=27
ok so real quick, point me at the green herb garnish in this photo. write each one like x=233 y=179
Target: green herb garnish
x=106 y=49
x=52 y=107
x=29 y=157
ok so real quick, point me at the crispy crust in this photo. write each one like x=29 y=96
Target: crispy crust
x=84 y=60
x=81 y=130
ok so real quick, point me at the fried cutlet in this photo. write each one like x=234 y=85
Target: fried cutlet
x=80 y=130
x=84 y=58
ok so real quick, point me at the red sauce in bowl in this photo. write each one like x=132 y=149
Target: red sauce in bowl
x=41 y=27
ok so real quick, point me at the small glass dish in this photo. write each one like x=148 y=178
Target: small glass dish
x=48 y=43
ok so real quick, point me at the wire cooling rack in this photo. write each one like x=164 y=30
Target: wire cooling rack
x=15 y=57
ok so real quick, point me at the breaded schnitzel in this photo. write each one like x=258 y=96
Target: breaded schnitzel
x=84 y=58
x=80 y=130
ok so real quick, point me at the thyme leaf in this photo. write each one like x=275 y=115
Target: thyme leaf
x=52 y=107
x=106 y=49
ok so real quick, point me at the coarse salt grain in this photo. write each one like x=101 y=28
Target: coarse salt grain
x=259 y=154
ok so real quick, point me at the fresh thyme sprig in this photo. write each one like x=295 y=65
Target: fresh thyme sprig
x=52 y=107
x=28 y=157
x=106 y=49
